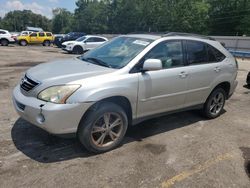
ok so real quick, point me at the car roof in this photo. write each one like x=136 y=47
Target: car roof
x=93 y=36
x=3 y=30
x=174 y=35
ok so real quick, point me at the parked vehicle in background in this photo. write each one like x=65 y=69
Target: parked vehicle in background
x=248 y=79
x=57 y=39
x=83 y=44
x=6 y=38
x=69 y=37
x=25 y=33
x=129 y=79
x=44 y=38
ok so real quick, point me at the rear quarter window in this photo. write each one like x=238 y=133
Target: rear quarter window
x=214 y=55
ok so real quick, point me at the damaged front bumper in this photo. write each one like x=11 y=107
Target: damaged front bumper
x=54 y=118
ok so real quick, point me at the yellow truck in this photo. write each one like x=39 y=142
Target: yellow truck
x=44 y=38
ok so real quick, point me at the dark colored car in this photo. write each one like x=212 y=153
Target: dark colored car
x=68 y=37
x=248 y=79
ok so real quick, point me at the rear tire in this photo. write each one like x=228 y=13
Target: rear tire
x=23 y=43
x=103 y=128
x=215 y=103
x=46 y=43
x=78 y=50
x=4 y=42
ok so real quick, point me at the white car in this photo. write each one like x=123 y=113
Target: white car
x=6 y=38
x=83 y=44
x=25 y=33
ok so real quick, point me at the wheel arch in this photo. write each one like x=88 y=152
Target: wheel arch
x=226 y=86
x=118 y=100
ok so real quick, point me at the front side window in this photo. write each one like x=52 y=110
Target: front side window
x=116 y=53
x=91 y=39
x=196 y=52
x=170 y=53
x=81 y=39
x=33 y=34
x=2 y=32
x=48 y=34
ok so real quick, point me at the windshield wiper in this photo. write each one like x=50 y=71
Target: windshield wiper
x=97 y=61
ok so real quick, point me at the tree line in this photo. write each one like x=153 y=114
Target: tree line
x=213 y=17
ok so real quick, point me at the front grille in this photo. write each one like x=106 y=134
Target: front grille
x=63 y=46
x=20 y=105
x=27 y=84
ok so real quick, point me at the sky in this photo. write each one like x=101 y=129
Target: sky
x=43 y=7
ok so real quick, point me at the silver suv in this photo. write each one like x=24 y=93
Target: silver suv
x=129 y=79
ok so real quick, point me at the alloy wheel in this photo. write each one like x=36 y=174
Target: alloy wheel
x=216 y=104
x=107 y=129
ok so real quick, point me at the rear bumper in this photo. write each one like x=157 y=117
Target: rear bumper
x=54 y=118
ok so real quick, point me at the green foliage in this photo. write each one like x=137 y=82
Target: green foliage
x=61 y=21
x=18 y=20
x=213 y=17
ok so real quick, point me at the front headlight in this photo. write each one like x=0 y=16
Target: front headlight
x=57 y=94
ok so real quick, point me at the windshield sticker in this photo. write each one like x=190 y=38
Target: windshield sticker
x=141 y=42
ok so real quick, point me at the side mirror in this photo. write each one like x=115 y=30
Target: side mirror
x=152 y=65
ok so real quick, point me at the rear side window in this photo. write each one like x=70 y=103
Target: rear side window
x=48 y=34
x=96 y=39
x=196 y=52
x=41 y=34
x=214 y=55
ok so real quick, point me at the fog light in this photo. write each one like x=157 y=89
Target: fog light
x=40 y=118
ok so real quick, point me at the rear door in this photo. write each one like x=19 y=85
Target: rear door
x=163 y=90
x=41 y=37
x=204 y=68
x=33 y=38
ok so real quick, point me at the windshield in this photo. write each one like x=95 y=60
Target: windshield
x=117 y=53
x=81 y=39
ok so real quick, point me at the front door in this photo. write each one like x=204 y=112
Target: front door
x=33 y=38
x=163 y=90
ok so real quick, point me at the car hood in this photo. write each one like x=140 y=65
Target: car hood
x=65 y=71
x=66 y=43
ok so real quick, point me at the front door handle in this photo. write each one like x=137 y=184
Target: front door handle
x=217 y=69
x=183 y=74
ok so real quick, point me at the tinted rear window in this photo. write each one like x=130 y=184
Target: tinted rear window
x=214 y=55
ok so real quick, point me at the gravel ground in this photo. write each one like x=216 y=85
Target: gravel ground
x=180 y=150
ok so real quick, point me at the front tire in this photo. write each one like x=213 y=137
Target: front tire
x=215 y=103
x=78 y=50
x=4 y=42
x=103 y=128
x=23 y=43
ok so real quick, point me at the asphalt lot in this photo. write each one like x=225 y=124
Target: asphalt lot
x=180 y=150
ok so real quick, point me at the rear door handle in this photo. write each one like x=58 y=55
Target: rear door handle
x=183 y=74
x=217 y=69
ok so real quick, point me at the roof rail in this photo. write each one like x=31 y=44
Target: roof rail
x=170 y=34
